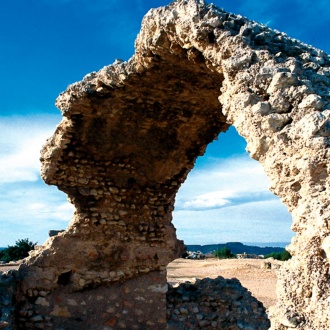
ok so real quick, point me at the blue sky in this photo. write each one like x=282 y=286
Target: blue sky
x=45 y=45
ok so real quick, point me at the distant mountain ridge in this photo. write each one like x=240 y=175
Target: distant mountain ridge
x=235 y=247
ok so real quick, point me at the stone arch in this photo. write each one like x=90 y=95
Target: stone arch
x=131 y=133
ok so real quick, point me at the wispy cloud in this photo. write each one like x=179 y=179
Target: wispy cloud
x=224 y=198
x=215 y=199
x=20 y=145
x=259 y=221
x=33 y=201
x=226 y=182
x=29 y=208
x=229 y=200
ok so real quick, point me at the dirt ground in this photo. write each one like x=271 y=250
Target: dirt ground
x=260 y=282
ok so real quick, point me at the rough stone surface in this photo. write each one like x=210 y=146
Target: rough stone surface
x=132 y=131
x=214 y=304
x=7 y=289
x=133 y=304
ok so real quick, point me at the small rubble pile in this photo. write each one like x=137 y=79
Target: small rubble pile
x=214 y=304
x=249 y=256
x=195 y=255
x=271 y=263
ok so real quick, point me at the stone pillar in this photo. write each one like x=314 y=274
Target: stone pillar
x=127 y=141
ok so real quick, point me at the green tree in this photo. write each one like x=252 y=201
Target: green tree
x=224 y=253
x=19 y=251
x=283 y=256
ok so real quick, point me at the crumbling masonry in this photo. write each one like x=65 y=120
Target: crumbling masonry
x=131 y=133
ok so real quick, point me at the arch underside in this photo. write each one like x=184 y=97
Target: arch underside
x=132 y=132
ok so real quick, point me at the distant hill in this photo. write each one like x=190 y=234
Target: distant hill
x=235 y=247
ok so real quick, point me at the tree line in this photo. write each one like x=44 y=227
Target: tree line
x=18 y=251
x=226 y=253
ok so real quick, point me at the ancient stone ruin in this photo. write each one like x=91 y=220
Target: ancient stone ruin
x=131 y=133
x=214 y=304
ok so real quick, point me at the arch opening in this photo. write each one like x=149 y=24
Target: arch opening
x=226 y=198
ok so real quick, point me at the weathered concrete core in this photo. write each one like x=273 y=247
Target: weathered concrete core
x=131 y=133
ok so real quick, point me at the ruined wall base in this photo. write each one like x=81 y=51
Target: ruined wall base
x=214 y=304
x=7 y=288
x=145 y=302
x=138 y=303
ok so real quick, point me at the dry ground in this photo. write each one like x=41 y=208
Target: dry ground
x=260 y=282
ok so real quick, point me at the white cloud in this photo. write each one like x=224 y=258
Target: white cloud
x=29 y=208
x=229 y=200
x=44 y=210
x=225 y=182
x=20 y=145
x=265 y=221
x=214 y=199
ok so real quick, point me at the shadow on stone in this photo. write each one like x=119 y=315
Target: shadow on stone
x=214 y=304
